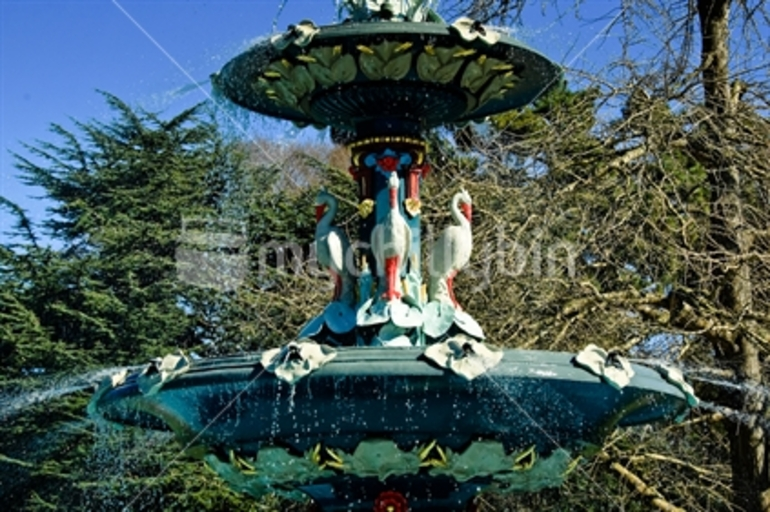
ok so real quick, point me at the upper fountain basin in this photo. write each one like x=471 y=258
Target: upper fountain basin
x=384 y=77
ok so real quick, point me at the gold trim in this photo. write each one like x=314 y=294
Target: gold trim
x=387 y=140
x=365 y=49
x=464 y=53
x=365 y=208
x=432 y=456
x=403 y=47
x=325 y=457
x=525 y=460
x=571 y=466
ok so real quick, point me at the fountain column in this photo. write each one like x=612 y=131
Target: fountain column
x=373 y=159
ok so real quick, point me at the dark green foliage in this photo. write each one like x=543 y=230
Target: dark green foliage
x=120 y=193
x=107 y=291
x=30 y=276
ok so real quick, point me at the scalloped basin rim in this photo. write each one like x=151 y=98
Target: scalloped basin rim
x=352 y=358
x=407 y=27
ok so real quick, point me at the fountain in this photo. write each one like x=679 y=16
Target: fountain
x=391 y=399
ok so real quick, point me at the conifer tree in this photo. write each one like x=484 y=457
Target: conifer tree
x=120 y=192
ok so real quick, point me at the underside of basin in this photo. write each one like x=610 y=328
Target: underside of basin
x=376 y=420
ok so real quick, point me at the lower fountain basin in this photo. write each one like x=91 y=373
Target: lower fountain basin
x=377 y=414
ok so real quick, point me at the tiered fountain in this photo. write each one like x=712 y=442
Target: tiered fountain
x=391 y=399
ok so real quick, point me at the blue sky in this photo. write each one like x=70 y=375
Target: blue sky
x=54 y=55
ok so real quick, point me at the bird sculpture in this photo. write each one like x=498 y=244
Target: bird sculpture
x=332 y=246
x=391 y=241
x=451 y=252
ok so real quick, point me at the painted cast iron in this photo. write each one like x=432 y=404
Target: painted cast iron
x=377 y=419
x=390 y=399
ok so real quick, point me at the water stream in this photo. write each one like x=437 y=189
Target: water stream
x=717 y=377
x=14 y=398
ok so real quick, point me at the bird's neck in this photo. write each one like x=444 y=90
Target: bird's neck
x=330 y=212
x=393 y=198
x=457 y=215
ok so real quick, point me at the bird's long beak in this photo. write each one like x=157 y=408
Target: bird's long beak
x=319 y=212
x=467 y=210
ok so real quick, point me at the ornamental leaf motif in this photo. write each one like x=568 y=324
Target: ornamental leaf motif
x=344 y=69
x=438 y=65
x=302 y=82
x=398 y=67
x=331 y=67
x=284 y=94
x=480 y=70
x=497 y=87
x=388 y=60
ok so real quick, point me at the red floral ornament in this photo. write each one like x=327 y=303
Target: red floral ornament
x=391 y=501
x=388 y=163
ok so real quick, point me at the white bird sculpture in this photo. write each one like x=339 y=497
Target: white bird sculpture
x=391 y=241
x=451 y=252
x=332 y=246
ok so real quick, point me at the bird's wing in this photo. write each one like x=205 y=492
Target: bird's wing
x=376 y=247
x=338 y=247
x=408 y=239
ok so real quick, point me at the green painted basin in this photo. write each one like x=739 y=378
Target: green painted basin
x=534 y=404
x=378 y=78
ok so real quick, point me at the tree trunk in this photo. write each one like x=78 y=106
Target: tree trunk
x=729 y=240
